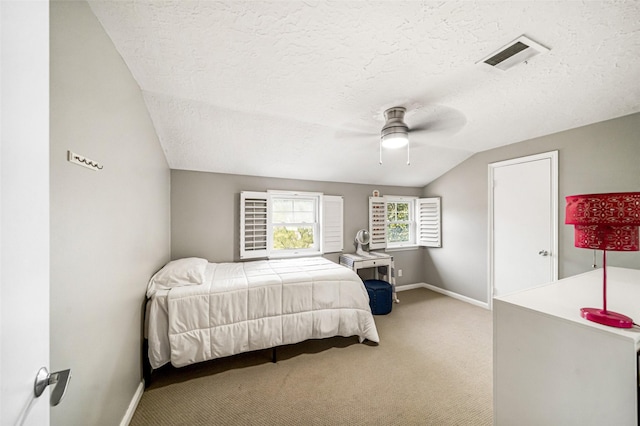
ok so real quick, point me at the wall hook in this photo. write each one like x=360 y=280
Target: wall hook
x=80 y=160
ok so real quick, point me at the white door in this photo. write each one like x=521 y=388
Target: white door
x=24 y=212
x=523 y=222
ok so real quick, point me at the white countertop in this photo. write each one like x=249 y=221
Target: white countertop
x=565 y=297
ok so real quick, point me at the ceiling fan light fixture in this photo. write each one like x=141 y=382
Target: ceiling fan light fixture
x=395 y=140
x=395 y=132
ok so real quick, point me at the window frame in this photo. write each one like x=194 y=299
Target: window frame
x=316 y=225
x=411 y=222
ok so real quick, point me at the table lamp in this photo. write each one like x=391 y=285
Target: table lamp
x=607 y=222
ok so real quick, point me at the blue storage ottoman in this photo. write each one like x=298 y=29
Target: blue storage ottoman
x=380 y=297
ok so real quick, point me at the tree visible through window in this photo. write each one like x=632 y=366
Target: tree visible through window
x=398 y=221
x=294 y=222
x=285 y=238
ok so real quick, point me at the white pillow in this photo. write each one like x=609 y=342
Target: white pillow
x=181 y=272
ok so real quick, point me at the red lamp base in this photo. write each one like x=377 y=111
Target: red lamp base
x=612 y=319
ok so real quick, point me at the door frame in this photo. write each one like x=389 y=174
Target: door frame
x=553 y=156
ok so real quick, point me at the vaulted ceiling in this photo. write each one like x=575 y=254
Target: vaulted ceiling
x=297 y=89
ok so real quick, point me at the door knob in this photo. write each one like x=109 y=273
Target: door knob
x=60 y=379
x=543 y=253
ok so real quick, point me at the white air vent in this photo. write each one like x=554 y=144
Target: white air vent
x=519 y=50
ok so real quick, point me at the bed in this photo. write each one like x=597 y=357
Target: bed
x=198 y=311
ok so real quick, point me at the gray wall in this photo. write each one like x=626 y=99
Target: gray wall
x=109 y=228
x=205 y=211
x=602 y=157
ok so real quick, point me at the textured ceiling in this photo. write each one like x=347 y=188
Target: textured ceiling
x=297 y=89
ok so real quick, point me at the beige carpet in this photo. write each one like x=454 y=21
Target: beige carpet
x=432 y=367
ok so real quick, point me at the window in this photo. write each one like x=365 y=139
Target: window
x=284 y=224
x=398 y=222
x=295 y=223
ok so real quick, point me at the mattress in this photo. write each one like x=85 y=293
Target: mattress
x=256 y=305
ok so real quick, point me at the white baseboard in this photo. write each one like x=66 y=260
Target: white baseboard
x=133 y=405
x=409 y=286
x=445 y=292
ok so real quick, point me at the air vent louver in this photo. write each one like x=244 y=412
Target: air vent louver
x=506 y=53
x=520 y=50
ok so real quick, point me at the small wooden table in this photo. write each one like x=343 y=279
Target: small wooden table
x=373 y=260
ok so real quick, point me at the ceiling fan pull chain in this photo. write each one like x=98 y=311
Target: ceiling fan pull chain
x=381 y=151
x=408 y=153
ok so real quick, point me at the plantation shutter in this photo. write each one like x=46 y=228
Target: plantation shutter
x=254 y=215
x=429 y=224
x=377 y=223
x=332 y=218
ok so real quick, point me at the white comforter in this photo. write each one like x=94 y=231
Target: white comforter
x=248 y=306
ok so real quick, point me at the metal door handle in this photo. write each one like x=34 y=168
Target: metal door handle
x=60 y=379
x=543 y=253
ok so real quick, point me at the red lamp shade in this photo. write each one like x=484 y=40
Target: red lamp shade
x=607 y=222
x=607 y=237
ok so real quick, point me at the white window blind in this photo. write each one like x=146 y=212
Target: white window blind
x=254 y=220
x=429 y=222
x=426 y=227
x=377 y=223
x=332 y=224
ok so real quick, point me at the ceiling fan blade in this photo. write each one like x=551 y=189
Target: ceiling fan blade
x=421 y=128
x=355 y=134
x=438 y=118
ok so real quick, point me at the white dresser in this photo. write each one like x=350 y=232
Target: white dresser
x=552 y=367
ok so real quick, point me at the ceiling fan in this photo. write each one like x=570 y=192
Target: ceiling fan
x=395 y=131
